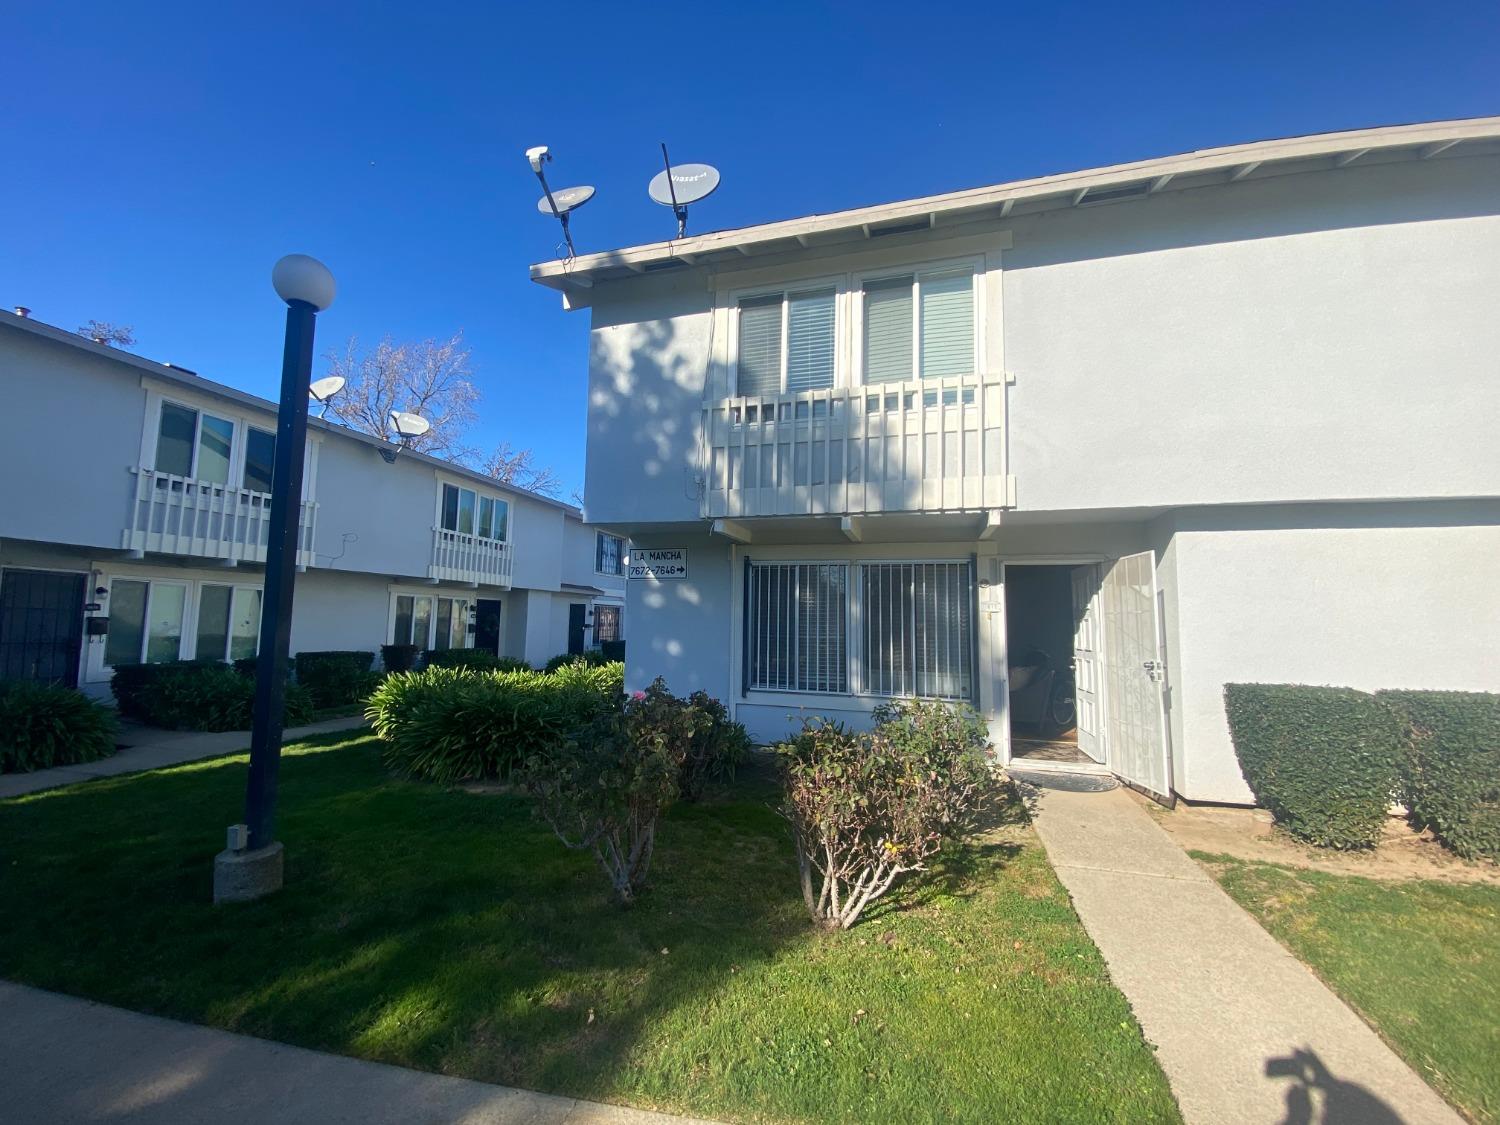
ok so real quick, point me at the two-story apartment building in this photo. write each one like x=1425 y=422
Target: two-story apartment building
x=1227 y=416
x=134 y=523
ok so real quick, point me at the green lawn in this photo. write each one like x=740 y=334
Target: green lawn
x=1419 y=960
x=450 y=931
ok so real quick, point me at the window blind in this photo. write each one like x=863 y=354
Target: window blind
x=810 y=340
x=917 y=631
x=947 y=324
x=796 y=631
x=760 y=346
x=888 y=330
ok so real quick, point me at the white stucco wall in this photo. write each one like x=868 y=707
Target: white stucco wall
x=1322 y=336
x=1369 y=604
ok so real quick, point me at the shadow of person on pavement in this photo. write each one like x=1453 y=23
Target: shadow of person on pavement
x=1339 y=1103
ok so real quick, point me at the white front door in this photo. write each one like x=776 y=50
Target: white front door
x=1133 y=672
x=1086 y=659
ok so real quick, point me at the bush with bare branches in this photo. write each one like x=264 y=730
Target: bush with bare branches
x=868 y=807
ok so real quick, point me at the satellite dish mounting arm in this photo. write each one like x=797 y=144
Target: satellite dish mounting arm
x=677 y=208
x=561 y=216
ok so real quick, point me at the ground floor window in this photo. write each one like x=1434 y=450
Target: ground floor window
x=876 y=628
x=152 y=620
x=606 y=623
x=429 y=621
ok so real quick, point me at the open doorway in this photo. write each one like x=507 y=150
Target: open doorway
x=1045 y=617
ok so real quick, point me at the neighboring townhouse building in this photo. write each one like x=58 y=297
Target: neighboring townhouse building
x=134 y=524
x=1228 y=416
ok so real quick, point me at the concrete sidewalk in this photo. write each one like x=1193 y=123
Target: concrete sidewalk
x=1244 y=1031
x=70 y=1062
x=147 y=748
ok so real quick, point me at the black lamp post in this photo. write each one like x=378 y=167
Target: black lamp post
x=251 y=865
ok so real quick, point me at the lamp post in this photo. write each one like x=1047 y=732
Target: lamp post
x=251 y=864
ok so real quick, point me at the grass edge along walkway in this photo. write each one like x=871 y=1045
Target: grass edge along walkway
x=449 y=931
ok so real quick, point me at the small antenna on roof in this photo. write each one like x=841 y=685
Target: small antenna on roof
x=677 y=187
x=561 y=203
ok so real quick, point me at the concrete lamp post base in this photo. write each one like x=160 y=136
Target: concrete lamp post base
x=240 y=876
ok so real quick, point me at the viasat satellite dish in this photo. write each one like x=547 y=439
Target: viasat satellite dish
x=677 y=187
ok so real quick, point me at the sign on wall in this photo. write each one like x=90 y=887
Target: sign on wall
x=658 y=563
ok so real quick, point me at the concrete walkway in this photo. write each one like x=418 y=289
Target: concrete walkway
x=1244 y=1031
x=147 y=748
x=70 y=1062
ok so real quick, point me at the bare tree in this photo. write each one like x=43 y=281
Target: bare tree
x=519 y=467
x=103 y=332
x=429 y=378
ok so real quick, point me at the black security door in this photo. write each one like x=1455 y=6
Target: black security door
x=487 y=625
x=575 y=628
x=41 y=626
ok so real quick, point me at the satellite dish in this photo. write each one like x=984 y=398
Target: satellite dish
x=564 y=201
x=409 y=425
x=325 y=388
x=679 y=186
x=559 y=204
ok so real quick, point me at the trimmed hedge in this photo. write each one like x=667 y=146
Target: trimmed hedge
x=1324 y=760
x=45 y=725
x=399 y=658
x=462 y=724
x=131 y=680
x=1451 y=769
x=337 y=677
x=479 y=658
x=210 y=697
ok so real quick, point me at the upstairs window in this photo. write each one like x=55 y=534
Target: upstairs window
x=919 y=326
x=609 y=554
x=787 y=342
x=260 y=452
x=470 y=513
x=193 y=444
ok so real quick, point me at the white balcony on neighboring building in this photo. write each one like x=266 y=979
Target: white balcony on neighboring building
x=182 y=516
x=935 y=445
x=458 y=557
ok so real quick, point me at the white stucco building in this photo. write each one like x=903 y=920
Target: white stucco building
x=1227 y=416
x=134 y=516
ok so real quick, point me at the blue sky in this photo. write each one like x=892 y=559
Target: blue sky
x=157 y=159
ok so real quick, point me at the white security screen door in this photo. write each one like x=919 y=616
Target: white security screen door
x=1134 y=709
x=1086 y=659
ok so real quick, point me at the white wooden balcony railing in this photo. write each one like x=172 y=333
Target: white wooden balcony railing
x=457 y=557
x=935 y=445
x=181 y=516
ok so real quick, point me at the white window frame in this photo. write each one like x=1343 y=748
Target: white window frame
x=468 y=596
x=479 y=493
x=187 y=649
x=241 y=419
x=839 y=283
x=854 y=630
x=974 y=263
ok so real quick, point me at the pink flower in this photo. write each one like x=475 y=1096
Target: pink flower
x=637 y=695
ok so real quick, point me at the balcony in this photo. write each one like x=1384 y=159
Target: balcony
x=181 y=516
x=457 y=557
x=924 y=446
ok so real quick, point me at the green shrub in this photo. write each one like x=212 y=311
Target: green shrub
x=1324 y=760
x=868 y=807
x=130 y=680
x=593 y=658
x=1451 y=768
x=460 y=724
x=44 y=725
x=479 y=658
x=717 y=747
x=607 y=680
x=604 y=790
x=399 y=658
x=211 y=697
x=335 y=678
